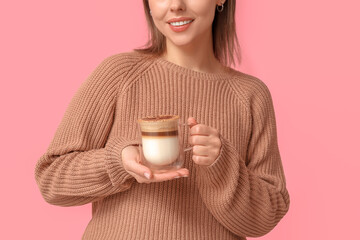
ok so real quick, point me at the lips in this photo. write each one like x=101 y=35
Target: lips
x=180 y=24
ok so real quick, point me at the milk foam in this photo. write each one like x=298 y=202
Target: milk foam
x=161 y=151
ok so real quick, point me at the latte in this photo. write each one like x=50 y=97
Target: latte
x=160 y=139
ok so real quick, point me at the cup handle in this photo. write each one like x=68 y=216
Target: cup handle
x=189 y=148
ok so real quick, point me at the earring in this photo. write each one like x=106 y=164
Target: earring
x=150 y=12
x=220 y=9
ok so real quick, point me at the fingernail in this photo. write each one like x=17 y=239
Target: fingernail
x=147 y=175
x=186 y=176
x=177 y=177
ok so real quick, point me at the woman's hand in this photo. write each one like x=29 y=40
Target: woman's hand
x=206 y=143
x=131 y=163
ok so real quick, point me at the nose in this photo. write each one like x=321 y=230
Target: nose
x=177 y=5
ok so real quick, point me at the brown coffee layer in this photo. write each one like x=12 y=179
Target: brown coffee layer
x=159 y=134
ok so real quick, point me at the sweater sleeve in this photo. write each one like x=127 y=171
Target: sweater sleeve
x=248 y=197
x=81 y=164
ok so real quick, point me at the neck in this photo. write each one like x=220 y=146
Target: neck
x=198 y=55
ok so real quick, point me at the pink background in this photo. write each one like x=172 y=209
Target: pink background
x=307 y=52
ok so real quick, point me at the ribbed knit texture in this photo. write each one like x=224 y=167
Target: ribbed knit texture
x=242 y=194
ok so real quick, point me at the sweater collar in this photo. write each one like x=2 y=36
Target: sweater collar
x=227 y=73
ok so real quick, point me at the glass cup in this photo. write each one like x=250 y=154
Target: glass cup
x=161 y=147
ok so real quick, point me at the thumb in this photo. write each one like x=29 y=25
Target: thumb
x=192 y=121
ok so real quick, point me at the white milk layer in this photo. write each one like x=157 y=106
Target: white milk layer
x=160 y=151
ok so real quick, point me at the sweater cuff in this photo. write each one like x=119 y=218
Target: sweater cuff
x=114 y=167
x=226 y=163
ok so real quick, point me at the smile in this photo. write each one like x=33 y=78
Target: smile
x=180 y=26
x=181 y=23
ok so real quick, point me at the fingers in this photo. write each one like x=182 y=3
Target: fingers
x=198 y=140
x=201 y=129
x=201 y=160
x=201 y=150
x=144 y=175
x=210 y=142
x=191 y=121
x=138 y=169
x=183 y=172
x=160 y=177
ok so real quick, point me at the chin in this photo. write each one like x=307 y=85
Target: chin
x=181 y=41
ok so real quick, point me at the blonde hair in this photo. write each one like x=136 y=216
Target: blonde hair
x=225 y=42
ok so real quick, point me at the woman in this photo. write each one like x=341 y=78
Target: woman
x=232 y=184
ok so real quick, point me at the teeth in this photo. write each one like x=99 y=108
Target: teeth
x=180 y=23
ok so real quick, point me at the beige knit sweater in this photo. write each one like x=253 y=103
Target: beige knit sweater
x=242 y=194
